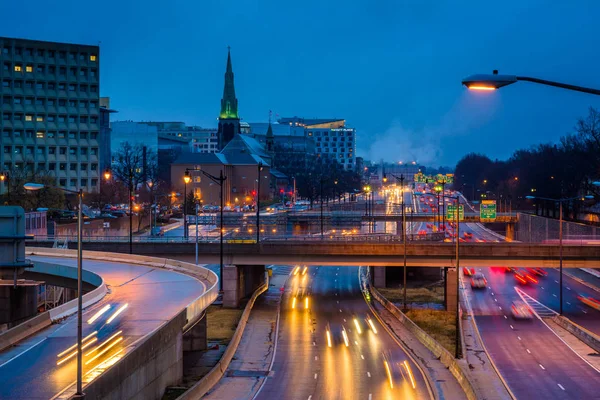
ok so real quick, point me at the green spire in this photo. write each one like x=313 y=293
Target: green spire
x=229 y=104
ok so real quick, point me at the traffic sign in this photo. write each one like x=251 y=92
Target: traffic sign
x=451 y=212
x=487 y=211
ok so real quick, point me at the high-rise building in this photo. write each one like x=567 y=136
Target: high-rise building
x=229 y=120
x=50 y=111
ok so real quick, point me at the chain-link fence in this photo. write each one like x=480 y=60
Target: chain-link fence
x=536 y=229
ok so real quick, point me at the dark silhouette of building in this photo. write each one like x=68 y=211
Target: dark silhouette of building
x=229 y=120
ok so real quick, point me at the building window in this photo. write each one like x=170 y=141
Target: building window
x=51 y=167
x=82 y=72
x=29 y=68
x=39 y=118
x=82 y=135
x=28 y=101
x=62 y=182
x=18 y=68
x=84 y=167
x=28 y=84
x=71 y=135
x=93 y=120
x=72 y=55
x=29 y=134
x=83 y=151
x=83 y=88
x=93 y=73
x=71 y=88
x=39 y=52
x=7 y=150
x=51 y=86
x=72 y=103
x=5 y=50
x=62 y=103
x=51 y=150
x=93 y=89
x=94 y=167
x=61 y=134
x=73 y=182
x=61 y=86
x=39 y=150
x=18 y=51
x=5 y=83
x=94 y=135
x=51 y=53
x=39 y=102
x=93 y=104
x=81 y=56
x=18 y=117
x=39 y=135
x=39 y=86
x=73 y=71
x=83 y=120
x=62 y=167
x=83 y=182
x=29 y=117
x=51 y=135
x=29 y=52
x=94 y=151
x=51 y=102
x=29 y=150
x=62 y=151
x=6 y=100
x=50 y=118
x=61 y=118
x=73 y=167
x=6 y=67
x=71 y=119
x=94 y=182
x=92 y=57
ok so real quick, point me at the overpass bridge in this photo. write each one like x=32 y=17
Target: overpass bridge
x=312 y=250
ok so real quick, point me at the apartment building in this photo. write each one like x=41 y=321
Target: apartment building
x=50 y=115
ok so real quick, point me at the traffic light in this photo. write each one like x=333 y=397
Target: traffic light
x=281 y=191
x=254 y=193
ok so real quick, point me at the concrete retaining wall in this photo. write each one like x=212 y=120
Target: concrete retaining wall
x=580 y=333
x=41 y=321
x=155 y=363
x=457 y=369
x=215 y=374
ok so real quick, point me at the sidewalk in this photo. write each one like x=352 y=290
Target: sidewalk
x=252 y=360
x=445 y=385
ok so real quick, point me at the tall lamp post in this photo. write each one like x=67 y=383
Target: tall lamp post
x=560 y=237
x=404 y=237
x=259 y=168
x=219 y=181
x=79 y=193
x=321 y=198
x=186 y=179
x=5 y=178
x=456 y=241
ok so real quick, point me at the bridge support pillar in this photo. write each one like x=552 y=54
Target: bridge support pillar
x=240 y=281
x=379 y=280
x=196 y=339
x=510 y=231
x=451 y=289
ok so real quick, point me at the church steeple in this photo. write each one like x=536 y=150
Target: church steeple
x=229 y=104
x=229 y=120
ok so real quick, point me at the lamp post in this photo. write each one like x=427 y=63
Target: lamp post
x=197 y=211
x=321 y=198
x=130 y=211
x=560 y=238
x=487 y=82
x=404 y=238
x=186 y=179
x=259 y=168
x=219 y=181
x=79 y=193
x=457 y=241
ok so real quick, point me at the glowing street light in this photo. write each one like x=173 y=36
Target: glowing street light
x=487 y=82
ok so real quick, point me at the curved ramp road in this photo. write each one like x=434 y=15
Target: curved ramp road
x=146 y=298
x=306 y=367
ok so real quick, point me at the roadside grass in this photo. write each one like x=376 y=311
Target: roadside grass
x=221 y=323
x=440 y=325
x=414 y=295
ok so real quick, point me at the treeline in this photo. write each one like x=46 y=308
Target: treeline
x=563 y=170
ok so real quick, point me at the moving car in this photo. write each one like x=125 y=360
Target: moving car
x=468 y=235
x=520 y=310
x=478 y=281
x=589 y=301
x=468 y=272
x=537 y=271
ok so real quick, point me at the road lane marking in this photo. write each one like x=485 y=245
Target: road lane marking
x=568 y=288
x=316 y=358
x=585 y=312
x=505 y=317
x=561 y=386
x=310 y=397
x=495 y=299
x=511 y=327
x=340 y=310
x=314 y=343
x=492 y=293
x=361 y=356
x=542 y=287
x=528 y=351
x=370 y=396
x=553 y=295
x=555 y=281
x=568 y=303
x=542 y=367
x=500 y=308
x=344 y=319
x=337 y=301
x=20 y=354
x=315 y=376
x=519 y=337
x=368 y=374
x=356 y=343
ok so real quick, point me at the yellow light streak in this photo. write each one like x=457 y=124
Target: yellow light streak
x=116 y=313
x=372 y=325
x=103 y=343
x=59 y=355
x=345 y=336
x=357 y=326
x=105 y=350
x=99 y=314
x=294 y=302
x=328 y=339
x=410 y=374
x=75 y=352
x=389 y=373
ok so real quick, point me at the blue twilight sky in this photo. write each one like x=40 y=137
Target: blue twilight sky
x=391 y=68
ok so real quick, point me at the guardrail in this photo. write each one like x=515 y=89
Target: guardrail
x=216 y=373
x=438 y=236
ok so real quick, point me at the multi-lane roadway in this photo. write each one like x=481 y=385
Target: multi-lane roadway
x=139 y=301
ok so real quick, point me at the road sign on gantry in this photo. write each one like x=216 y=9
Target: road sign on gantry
x=487 y=211
x=451 y=212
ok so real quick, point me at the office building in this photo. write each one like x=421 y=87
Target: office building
x=50 y=111
x=134 y=133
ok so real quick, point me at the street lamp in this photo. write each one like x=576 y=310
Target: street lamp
x=186 y=179
x=219 y=181
x=107 y=174
x=259 y=168
x=486 y=82
x=5 y=177
x=560 y=235
x=37 y=186
x=404 y=238
x=457 y=241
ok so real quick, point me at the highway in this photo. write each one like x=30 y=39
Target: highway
x=152 y=296
x=534 y=362
x=305 y=367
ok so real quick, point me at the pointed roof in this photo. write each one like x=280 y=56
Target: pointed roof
x=229 y=103
x=270 y=131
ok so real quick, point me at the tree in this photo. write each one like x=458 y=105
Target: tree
x=136 y=167
x=48 y=197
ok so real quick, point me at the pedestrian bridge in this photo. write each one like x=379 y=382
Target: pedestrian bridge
x=323 y=252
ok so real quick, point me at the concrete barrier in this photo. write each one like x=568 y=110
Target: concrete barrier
x=458 y=371
x=579 y=332
x=41 y=321
x=216 y=373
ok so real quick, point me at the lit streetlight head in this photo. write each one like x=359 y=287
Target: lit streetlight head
x=530 y=197
x=488 y=82
x=33 y=186
x=186 y=177
x=107 y=174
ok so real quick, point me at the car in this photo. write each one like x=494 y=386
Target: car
x=520 y=310
x=589 y=301
x=468 y=272
x=422 y=232
x=520 y=277
x=468 y=235
x=478 y=281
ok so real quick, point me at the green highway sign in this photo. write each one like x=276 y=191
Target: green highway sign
x=487 y=211
x=451 y=212
x=439 y=178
